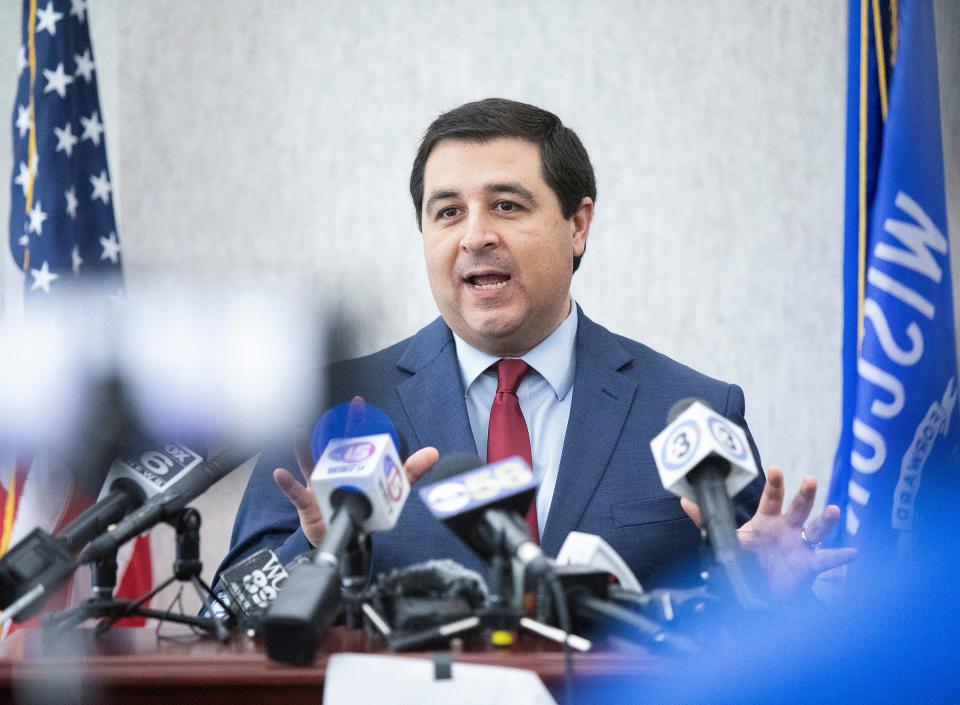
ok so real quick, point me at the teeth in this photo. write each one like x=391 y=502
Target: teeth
x=498 y=285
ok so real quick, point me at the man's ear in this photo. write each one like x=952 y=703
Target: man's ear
x=581 y=225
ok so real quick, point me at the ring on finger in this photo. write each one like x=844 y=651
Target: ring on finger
x=807 y=541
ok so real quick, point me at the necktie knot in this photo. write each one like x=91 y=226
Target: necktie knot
x=510 y=372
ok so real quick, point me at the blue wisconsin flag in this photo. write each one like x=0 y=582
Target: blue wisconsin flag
x=899 y=451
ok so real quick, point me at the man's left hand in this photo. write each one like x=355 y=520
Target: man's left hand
x=788 y=551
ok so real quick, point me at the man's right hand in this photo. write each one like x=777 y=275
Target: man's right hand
x=301 y=496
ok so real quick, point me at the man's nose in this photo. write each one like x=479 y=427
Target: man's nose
x=479 y=233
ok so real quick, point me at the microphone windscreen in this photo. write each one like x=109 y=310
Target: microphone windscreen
x=682 y=405
x=351 y=420
x=453 y=465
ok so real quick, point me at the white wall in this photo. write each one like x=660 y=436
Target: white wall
x=273 y=141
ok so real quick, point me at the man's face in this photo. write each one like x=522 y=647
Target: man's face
x=499 y=251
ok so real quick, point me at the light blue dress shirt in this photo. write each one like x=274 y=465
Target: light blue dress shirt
x=545 y=395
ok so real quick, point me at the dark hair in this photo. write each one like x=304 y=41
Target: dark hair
x=566 y=164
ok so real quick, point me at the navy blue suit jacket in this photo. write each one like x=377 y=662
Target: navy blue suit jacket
x=607 y=483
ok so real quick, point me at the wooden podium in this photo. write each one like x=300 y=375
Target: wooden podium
x=135 y=667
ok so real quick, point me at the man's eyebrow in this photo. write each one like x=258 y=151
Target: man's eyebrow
x=438 y=196
x=511 y=187
x=494 y=188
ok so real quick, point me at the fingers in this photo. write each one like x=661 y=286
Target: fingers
x=301 y=448
x=355 y=415
x=771 y=500
x=818 y=529
x=827 y=558
x=802 y=503
x=300 y=496
x=692 y=510
x=421 y=461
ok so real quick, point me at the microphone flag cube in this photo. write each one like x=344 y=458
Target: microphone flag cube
x=695 y=434
x=154 y=470
x=369 y=465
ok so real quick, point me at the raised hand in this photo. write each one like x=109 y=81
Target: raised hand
x=786 y=547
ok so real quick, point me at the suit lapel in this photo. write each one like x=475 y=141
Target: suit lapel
x=602 y=398
x=433 y=397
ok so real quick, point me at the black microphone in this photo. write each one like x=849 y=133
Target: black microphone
x=40 y=563
x=167 y=504
x=252 y=584
x=705 y=457
x=588 y=591
x=484 y=505
x=361 y=487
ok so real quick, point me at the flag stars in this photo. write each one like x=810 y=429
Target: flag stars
x=65 y=139
x=22 y=61
x=111 y=248
x=72 y=202
x=43 y=277
x=101 y=187
x=24 y=178
x=23 y=120
x=37 y=216
x=78 y=9
x=47 y=19
x=92 y=128
x=85 y=65
x=57 y=81
x=76 y=259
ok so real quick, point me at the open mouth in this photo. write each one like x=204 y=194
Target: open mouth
x=489 y=281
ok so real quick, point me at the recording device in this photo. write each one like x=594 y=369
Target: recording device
x=361 y=486
x=705 y=457
x=427 y=595
x=40 y=563
x=189 y=484
x=484 y=506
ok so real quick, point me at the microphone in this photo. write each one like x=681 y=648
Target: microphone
x=41 y=562
x=426 y=603
x=252 y=584
x=360 y=485
x=589 y=593
x=189 y=485
x=484 y=506
x=582 y=549
x=705 y=457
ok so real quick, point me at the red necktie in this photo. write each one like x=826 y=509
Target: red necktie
x=507 y=434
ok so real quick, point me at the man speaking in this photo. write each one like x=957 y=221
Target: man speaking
x=504 y=195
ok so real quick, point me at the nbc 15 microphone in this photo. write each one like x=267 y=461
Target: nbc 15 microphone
x=167 y=504
x=41 y=562
x=361 y=487
x=484 y=506
x=705 y=457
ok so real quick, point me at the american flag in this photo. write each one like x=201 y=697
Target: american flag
x=63 y=236
x=62 y=227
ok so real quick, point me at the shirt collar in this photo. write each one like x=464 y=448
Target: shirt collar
x=554 y=358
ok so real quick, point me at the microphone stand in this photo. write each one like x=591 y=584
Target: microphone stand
x=109 y=609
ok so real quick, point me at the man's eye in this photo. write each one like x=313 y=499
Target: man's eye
x=449 y=212
x=507 y=207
